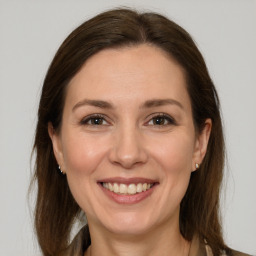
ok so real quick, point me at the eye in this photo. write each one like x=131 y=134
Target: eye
x=161 y=120
x=94 y=120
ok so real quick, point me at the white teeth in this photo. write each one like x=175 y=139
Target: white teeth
x=123 y=189
x=106 y=185
x=130 y=189
x=139 y=188
x=116 y=188
x=110 y=186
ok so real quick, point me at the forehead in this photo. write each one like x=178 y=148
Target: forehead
x=137 y=72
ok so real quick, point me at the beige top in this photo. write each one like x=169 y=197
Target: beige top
x=78 y=247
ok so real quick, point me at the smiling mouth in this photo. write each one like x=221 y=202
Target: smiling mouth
x=127 y=189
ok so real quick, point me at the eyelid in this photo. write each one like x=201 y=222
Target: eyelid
x=149 y=118
x=171 y=120
x=86 y=119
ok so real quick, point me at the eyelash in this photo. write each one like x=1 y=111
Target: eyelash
x=169 y=119
x=102 y=118
x=88 y=119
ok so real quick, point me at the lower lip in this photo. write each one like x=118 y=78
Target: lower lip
x=128 y=199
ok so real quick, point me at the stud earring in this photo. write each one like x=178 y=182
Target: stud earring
x=197 y=166
x=63 y=173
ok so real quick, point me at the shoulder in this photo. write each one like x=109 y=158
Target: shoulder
x=237 y=253
x=201 y=248
x=230 y=252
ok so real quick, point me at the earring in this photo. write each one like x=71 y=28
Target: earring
x=197 y=166
x=62 y=172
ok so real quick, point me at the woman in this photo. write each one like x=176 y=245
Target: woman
x=129 y=132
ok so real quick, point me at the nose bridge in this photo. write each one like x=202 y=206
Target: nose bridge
x=128 y=148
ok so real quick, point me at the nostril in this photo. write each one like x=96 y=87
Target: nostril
x=127 y=149
x=128 y=164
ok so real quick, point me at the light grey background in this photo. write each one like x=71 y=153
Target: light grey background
x=30 y=33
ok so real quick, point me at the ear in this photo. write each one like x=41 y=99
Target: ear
x=57 y=146
x=201 y=144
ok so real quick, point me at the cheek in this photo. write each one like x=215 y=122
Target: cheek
x=82 y=155
x=175 y=154
x=174 y=158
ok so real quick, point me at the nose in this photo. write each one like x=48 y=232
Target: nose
x=128 y=148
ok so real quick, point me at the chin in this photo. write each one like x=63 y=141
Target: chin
x=128 y=223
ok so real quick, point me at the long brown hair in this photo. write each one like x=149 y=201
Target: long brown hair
x=56 y=209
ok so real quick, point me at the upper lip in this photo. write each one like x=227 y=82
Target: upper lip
x=122 y=180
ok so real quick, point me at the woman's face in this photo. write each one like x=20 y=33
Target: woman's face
x=127 y=126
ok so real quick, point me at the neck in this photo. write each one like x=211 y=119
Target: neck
x=162 y=241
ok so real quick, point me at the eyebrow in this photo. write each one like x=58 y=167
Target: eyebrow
x=161 y=102
x=94 y=103
x=147 y=104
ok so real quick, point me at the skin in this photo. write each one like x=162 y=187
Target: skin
x=128 y=142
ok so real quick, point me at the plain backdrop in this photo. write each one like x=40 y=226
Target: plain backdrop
x=31 y=32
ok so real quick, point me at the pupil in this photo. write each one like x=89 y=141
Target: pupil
x=97 y=121
x=159 y=120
